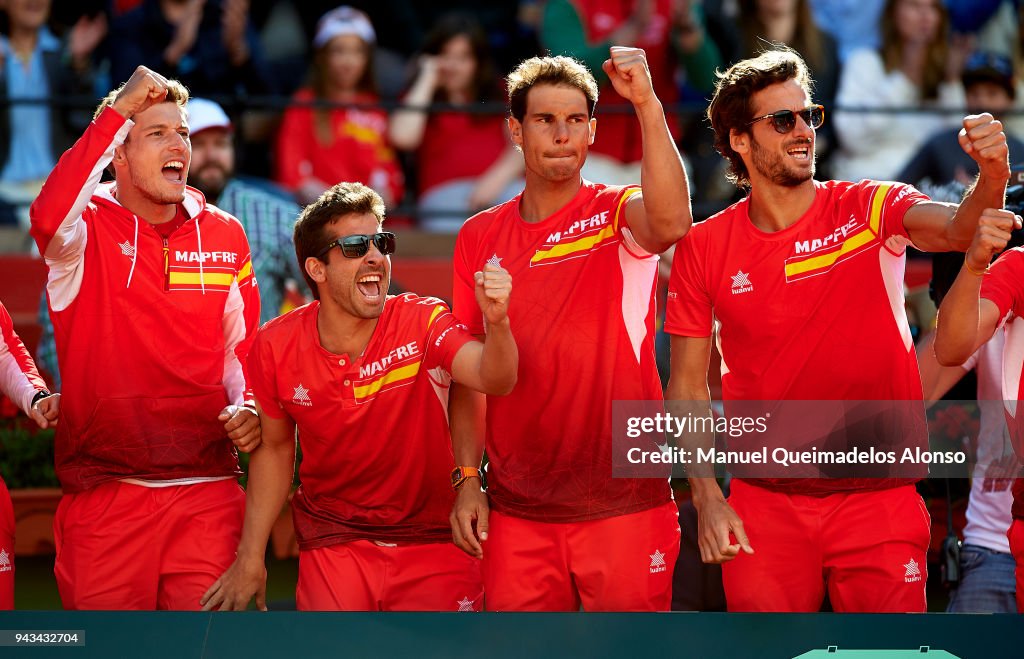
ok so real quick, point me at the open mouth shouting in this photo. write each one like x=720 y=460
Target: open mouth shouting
x=371 y=287
x=174 y=171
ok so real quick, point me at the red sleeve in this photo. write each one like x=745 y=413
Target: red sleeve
x=621 y=223
x=463 y=284
x=291 y=147
x=445 y=337
x=261 y=377
x=70 y=185
x=887 y=204
x=19 y=378
x=1004 y=283
x=689 y=309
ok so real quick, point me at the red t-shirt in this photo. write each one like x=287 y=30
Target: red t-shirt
x=582 y=312
x=810 y=313
x=459 y=145
x=376 y=451
x=1004 y=286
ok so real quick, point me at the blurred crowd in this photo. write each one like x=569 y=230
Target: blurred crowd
x=407 y=97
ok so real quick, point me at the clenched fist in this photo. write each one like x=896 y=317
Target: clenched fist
x=493 y=287
x=629 y=74
x=982 y=138
x=143 y=90
x=994 y=228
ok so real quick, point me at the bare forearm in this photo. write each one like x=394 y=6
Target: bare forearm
x=408 y=123
x=957 y=330
x=985 y=193
x=693 y=401
x=270 y=479
x=663 y=178
x=467 y=411
x=499 y=360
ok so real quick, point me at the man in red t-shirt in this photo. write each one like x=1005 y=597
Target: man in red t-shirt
x=981 y=300
x=805 y=280
x=365 y=379
x=564 y=532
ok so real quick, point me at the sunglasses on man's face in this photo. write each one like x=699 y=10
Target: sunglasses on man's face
x=784 y=121
x=356 y=246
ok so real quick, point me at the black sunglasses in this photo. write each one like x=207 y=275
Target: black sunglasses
x=357 y=245
x=784 y=121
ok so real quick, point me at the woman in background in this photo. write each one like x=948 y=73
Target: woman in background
x=318 y=147
x=914 y=69
x=465 y=161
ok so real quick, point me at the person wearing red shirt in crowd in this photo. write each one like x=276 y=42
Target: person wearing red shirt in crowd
x=805 y=318
x=563 y=532
x=20 y=381
x=981 y=300
x=370 y=401
x=670 y=34
x=465 y=161
x=153 y=304
x=318 y=147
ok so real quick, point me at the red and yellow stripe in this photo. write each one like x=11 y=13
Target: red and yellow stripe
x=801 y=267
x=587 y=242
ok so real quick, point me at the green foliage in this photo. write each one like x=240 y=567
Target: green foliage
x=26 y=457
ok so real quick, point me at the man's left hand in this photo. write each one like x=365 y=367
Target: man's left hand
x=242 y=426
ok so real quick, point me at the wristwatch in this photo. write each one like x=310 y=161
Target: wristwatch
x=41 y=394
x=462 y=474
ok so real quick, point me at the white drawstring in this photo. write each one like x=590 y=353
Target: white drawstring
x=199 y=243
x=135 y=251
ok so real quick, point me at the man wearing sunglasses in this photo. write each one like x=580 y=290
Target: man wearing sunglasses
x=365 y=379
x=805 y=279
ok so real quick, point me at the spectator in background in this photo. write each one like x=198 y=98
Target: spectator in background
x=318 y=147
x=36 y=67
x=940 y=168
x=268 y=218
x=208 y=45
x=465 y=159
x=910 y=71
x=671 y=34
x=852 y=23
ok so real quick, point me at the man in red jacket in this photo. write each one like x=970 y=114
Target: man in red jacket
x=154 y=303
x=19 y=381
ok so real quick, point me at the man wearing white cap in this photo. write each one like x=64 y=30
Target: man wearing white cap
x=268 y=219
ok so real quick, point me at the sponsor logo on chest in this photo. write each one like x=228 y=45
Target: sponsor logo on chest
x=577 y=240
x=401 y=353
x=181 y=256
x=831 y=240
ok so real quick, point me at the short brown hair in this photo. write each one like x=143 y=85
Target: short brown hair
x=336 y=202
x=560 y=70
x=730 y=108
x=176 y=93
